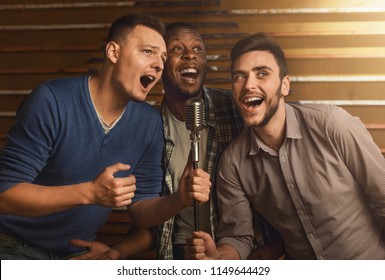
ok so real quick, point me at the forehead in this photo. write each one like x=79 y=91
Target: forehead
x=145 y=35
x=253 y=59
x=183 y=34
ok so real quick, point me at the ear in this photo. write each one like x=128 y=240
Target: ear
x=285 y=87
x=112 y=51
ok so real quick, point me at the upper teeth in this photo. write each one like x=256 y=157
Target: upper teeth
x=189 y=70
x=251 y=99
x=151 y=78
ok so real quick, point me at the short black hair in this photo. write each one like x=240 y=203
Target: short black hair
x=175 y=26
x=121 y=26
x=261 y=41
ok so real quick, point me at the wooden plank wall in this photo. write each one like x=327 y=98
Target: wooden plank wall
x=335 y=50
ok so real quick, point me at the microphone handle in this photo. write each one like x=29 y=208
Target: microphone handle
x=195 y=160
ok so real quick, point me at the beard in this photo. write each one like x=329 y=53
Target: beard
x=272 y=107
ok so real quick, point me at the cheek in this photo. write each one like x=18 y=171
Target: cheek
x=203 y=60
x=236 y=89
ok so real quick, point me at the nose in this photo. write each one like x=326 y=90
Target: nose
x=189 y=55
x=158 y=64
x=251 y=83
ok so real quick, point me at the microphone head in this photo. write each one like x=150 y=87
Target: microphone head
x=195 y=115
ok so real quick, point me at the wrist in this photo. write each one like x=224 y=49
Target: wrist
x=86 y=193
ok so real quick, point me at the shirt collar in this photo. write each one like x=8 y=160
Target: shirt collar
x=209 y=108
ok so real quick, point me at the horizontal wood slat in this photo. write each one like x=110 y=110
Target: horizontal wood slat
x=105 y=4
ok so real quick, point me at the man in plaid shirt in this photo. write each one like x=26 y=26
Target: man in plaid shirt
x=183 y=79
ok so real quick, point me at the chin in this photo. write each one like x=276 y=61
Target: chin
x=139 y=97
x=251 y=121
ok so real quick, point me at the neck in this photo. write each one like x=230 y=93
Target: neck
x=108 y=106
x=177 y=105
x=273 y=133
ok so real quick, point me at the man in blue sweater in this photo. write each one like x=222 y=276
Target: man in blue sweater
x=80 y=146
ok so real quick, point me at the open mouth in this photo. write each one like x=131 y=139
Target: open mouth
x=189 y=73
x=146 y=80
x=252 y=102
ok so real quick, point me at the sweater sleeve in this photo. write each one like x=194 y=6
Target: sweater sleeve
x=30 y=140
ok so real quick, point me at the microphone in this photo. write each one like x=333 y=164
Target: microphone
x=195 y=121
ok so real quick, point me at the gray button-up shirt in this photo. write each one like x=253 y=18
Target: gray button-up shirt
x=324 y=190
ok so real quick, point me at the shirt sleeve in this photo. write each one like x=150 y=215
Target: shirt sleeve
x=149 y=171
x=236 y=221
x=361 y=155
x=30 y=140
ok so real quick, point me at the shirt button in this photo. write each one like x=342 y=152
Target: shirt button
x=310 y=236
x=291 y=186
x=300 y=212
x=283 y=158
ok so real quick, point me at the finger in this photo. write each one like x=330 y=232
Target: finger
x=129 y=181
x=200 y=173
x=81 y=257
x=201 y=195
x=205 y=183
x=121 y=201
x=80 y=243
x=194 y=256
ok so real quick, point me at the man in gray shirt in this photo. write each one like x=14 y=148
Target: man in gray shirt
x=312 y=171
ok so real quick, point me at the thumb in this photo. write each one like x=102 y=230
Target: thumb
x=112 y=169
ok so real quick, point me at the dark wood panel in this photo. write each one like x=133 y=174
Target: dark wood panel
x=10 y=102
x=6 y=123
x=28 y=81
x=378 y=137
x=46 y=59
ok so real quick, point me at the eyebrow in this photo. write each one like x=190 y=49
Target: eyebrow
x=256 y=68
x=261 y=68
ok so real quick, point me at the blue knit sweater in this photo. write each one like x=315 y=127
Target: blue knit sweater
x=57 y=139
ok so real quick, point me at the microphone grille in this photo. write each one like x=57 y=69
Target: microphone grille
x=195 y=115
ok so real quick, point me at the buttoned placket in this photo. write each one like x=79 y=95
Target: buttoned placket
x=298 y=204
